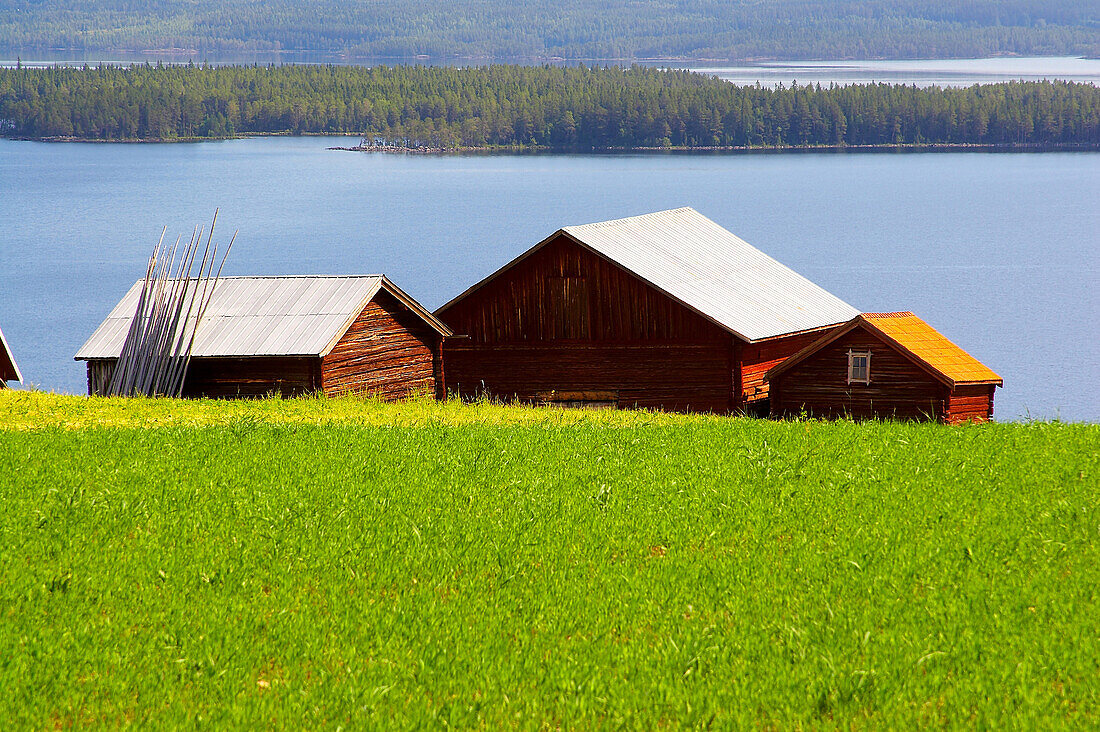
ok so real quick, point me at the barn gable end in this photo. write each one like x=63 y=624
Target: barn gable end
x=818 y=385
x=565 y=325
x=565 y=292
x=914 y=372
x=388 y=351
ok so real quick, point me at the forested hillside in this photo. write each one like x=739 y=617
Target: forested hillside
x=570 y=29
x=547 y=107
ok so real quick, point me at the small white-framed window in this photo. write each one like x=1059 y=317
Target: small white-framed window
x=859 y=367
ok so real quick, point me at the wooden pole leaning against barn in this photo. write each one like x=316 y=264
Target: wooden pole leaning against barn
x=176 y=370
x=157 y=350
x=141 y=367
x=170 y=317
x=152 y=335
x=167 y=352
x=204 y=303
x=120 y=375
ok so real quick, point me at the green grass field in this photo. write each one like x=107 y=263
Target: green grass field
x=344 y=563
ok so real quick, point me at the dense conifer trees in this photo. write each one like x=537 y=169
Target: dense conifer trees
x=553 y=107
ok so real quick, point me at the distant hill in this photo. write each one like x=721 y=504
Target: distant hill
x=539 y=30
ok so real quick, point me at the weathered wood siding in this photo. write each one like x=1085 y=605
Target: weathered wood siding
x=99 y=375
x=566 y=320
x=674 y=377
x=230 y=378
x=565 y=292
x=818 y=386
x=242 y=378
x=388 y=351
x=970 y=403
x=757 y=358
x=8 y=370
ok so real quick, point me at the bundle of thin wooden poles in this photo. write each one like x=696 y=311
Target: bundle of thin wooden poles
x=170 y=307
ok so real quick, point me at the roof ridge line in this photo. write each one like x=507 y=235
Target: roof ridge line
x=892 y=314
x=297 y=277
x=630 y=218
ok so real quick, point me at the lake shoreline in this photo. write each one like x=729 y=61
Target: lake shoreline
x=911 y=147
x=582 y=150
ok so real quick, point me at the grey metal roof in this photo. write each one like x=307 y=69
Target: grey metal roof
x=708 y=269
x=9 y=369
x=264 y=316
x=715 y=273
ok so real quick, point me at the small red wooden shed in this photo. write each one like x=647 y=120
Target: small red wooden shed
x=294 y=335
x=885 y=365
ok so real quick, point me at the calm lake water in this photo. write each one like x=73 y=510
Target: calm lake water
x=922 y=73
x=998 y=251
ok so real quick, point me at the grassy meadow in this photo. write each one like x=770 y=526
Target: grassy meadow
x=320 y=563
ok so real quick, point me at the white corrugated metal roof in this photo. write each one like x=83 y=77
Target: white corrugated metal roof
x=715 y=273
x=264 y=316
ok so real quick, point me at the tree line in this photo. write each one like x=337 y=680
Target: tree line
x=570 y=29
x=542 y=107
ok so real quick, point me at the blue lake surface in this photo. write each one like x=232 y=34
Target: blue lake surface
x=997 y=251
x=918 y=72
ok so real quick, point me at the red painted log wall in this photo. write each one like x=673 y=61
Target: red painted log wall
x=388 y=351
x=818 y=386
x=757 y=358
x=971 y=403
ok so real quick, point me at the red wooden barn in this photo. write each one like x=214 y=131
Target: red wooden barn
x=294 y=335
x=9 y=371
x=666 y=310
x=889 y=365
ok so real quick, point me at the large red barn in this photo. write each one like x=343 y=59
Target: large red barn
x=667 y=310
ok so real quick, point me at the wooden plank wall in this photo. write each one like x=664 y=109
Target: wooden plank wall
x=230 y=378
x=233 y=378
x=388 y=351
x=673 y=377
x=7 y=368
x=99 y=375
x=568 y=320
x=529 y=302
x=970 y=403
x=819 y=385
x=757 y=358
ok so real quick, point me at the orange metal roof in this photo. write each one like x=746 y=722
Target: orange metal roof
x=930 y=346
